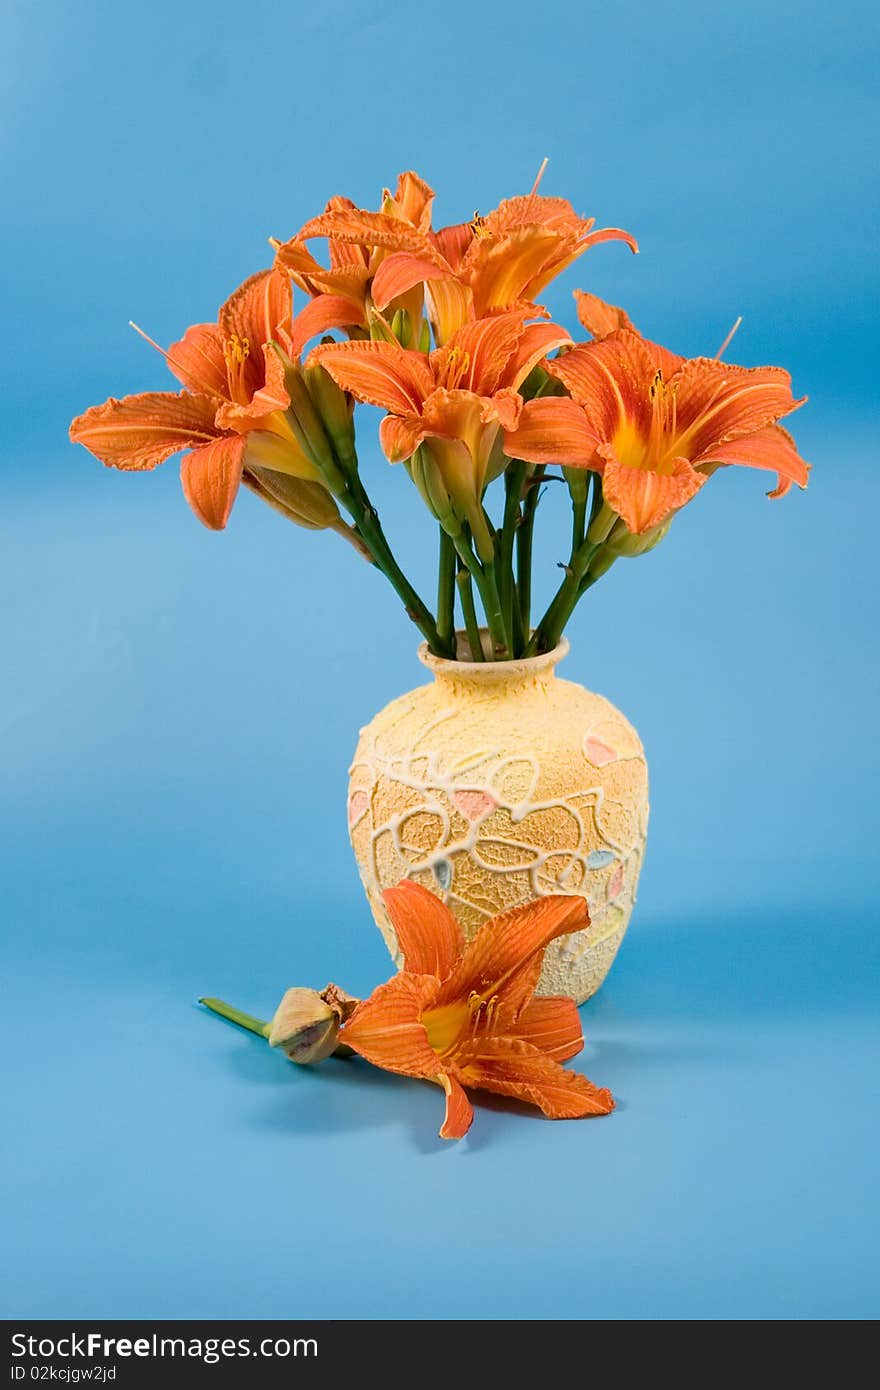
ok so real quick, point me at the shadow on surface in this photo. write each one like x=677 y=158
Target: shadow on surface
x=341 y=1096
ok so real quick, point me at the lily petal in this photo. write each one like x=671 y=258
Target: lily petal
x=531 y=210
x=505 y=406
x=402 y=270
x=608 y=234
x=360 y=228
x=644 y=498
x=211 y=477
x=486 y=346
x=600 y=318
x=552 y=429
x=142 y=431
x=345 y=254
x=400 y=436
x=294 y=258
x=536 y=341
x=413 y=200
x=610 y=378
x=771 y=448
x=553 y=1025
x=452 y=242
x=459 y=1111
x=496 y=962
x=450 y=304
x=387 y=1029
x=257 y=309
x=264 y=404
x=717 y=402
x=322 y=313
x=198 y=361
x=525 y=1074
x=428 y=935
x=504 y=270
x=379 y=373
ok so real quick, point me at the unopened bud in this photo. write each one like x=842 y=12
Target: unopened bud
x=307 y=425
x=336 y=410
x=380 y=331
x=400 y=327
x=622 y=541
x=308 y=504
x=428 y=479
x=601 y=526
x=306 y=1024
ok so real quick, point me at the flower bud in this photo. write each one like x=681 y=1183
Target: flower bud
x=622 y=541
x=336 y=410
x=380 y=331
x=428 y=479
x=307 y=425
x=306 y=1024
x=602 y=524
x=308 y=504
x=400 y=327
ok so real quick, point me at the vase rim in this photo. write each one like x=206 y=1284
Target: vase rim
x=468 y=669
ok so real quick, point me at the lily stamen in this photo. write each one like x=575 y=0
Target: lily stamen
x=728 y=340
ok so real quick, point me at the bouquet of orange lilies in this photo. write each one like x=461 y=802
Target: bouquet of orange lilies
x=443 y=331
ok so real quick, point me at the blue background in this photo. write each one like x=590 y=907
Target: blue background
x=179 y=708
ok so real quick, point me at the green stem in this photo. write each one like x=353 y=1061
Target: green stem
x=597 y=500
x=366 y=520
x=484 y=578
x=561 y=607
x=253 y=1025
x=446 y=591
x=599 y=566
x=471 y=626
x=491 y=597
x=524 y=537
x=517 y=631
x=578 y=522
x=513 y=481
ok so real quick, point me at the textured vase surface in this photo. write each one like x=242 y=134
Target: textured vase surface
x=499 y=783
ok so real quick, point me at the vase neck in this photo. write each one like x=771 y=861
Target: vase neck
x=471 y=678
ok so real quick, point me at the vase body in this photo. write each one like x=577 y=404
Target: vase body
x=499 y=783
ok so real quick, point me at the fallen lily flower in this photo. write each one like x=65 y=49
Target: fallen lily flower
x=460 y=1014
x=465 y=1013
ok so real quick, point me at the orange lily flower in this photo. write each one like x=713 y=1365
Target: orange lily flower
x=458 y=398
x=653 y=424
x=509 y=258
x=232 y=414
x=469 y=270
x=465 y=1014
x=358 y=241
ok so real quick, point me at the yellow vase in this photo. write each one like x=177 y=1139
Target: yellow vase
x=497 y=784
